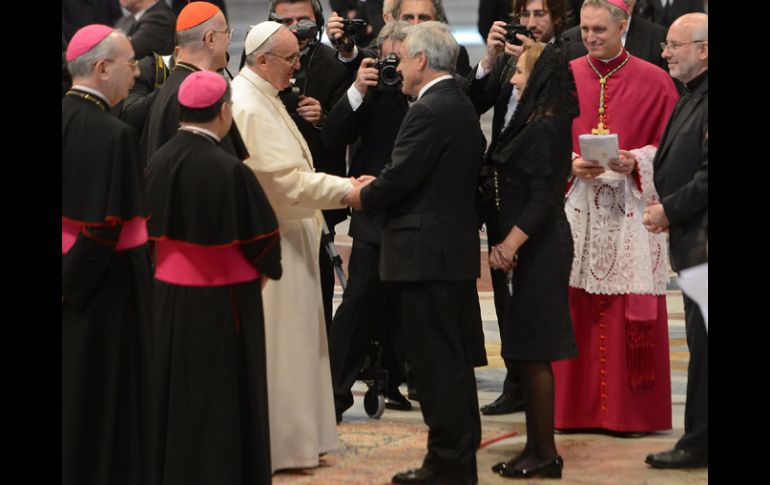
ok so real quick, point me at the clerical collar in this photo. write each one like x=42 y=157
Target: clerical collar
x=197 y=130
x=693 y=85
x=90 y=94
x=605 y=66
x=430 y=84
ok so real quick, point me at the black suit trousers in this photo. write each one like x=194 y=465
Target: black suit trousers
x=437 y=326
x=696 y=409
x=361 y=316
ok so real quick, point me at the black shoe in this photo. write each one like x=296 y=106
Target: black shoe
x=411 y=393
x=676 y=458
x=432 y=477
x=394 y=400
x=497 y=467
x=548 y=469
x=505 y=404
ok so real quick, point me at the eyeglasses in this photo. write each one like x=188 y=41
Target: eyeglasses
x=676 y=45
x=132 y=63
x=539 y=14
x=290 y=59
x=229 y=33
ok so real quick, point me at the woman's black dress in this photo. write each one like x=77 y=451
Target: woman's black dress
x=534 y=162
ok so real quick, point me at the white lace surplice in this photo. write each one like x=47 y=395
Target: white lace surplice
x=614 y=253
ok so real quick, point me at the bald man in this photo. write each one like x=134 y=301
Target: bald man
x=681 y=179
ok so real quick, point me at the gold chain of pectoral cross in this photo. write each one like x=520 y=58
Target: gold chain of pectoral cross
x=600 y=128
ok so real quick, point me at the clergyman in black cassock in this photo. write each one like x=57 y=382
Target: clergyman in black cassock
x=106 y=285
x=216 y=237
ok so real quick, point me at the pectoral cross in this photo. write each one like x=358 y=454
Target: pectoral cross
x=600 y=129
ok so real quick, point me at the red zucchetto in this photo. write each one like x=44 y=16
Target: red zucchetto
x=194 y=14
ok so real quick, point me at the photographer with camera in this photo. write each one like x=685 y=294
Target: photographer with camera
x=410 y=11
x=541 y=20
x=371 y=111
x=318 y=84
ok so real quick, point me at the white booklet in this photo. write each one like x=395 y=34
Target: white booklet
x=599 y=148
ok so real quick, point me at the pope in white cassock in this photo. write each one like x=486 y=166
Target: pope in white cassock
x=300 y=400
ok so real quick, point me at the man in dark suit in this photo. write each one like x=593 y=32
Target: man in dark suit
x=430 y=249
x=374 y=115
x=663 y=12
x=681 y=179
x=410 y=11
x=149 y=26
x=642 y=39
x=490 y=87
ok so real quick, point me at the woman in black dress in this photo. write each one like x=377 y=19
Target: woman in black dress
x=534 y=162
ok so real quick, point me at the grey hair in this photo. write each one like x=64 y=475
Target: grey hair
x=617 y=13
x=435 y=39
x=191 y=36
x=437 y=7
x=395 y=31
x=267 y=46
x=83 y=66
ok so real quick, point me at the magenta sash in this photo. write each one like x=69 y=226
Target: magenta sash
x=132 y=234
x=183 y=264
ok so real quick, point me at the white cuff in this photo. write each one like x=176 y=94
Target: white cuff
x=348 y=60
x=481 y=73
x=355 y=98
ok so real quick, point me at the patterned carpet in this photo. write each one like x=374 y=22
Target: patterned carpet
x=374 y=450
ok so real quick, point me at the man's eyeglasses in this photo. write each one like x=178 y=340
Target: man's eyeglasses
x=229 y=32
x=290 y=59
x=539 y=14
x=676 y=45
x=132 y=63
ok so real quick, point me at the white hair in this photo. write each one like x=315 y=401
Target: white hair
x=435 y=39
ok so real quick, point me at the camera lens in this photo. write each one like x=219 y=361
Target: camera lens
x=390 y=75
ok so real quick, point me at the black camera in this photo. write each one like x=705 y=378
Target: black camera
x=305 y=30
x=290 y=98
x=389 y=78
x=512 y=29
x=354 y=29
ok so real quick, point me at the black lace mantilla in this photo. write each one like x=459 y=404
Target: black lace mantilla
x=550 y=94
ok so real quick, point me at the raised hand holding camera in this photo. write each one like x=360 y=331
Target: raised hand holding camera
x=310 y=109
x=368 y=75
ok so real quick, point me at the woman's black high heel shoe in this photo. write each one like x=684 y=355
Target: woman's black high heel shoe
x=548 y=469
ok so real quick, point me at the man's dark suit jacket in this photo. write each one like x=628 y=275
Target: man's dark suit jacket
x=681 y=178
x=153 y=32
x=428 y=190
x=666 y=15
x=376 y=122
x=643 y=41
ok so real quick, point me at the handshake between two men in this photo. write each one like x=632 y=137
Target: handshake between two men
x=353 y=198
